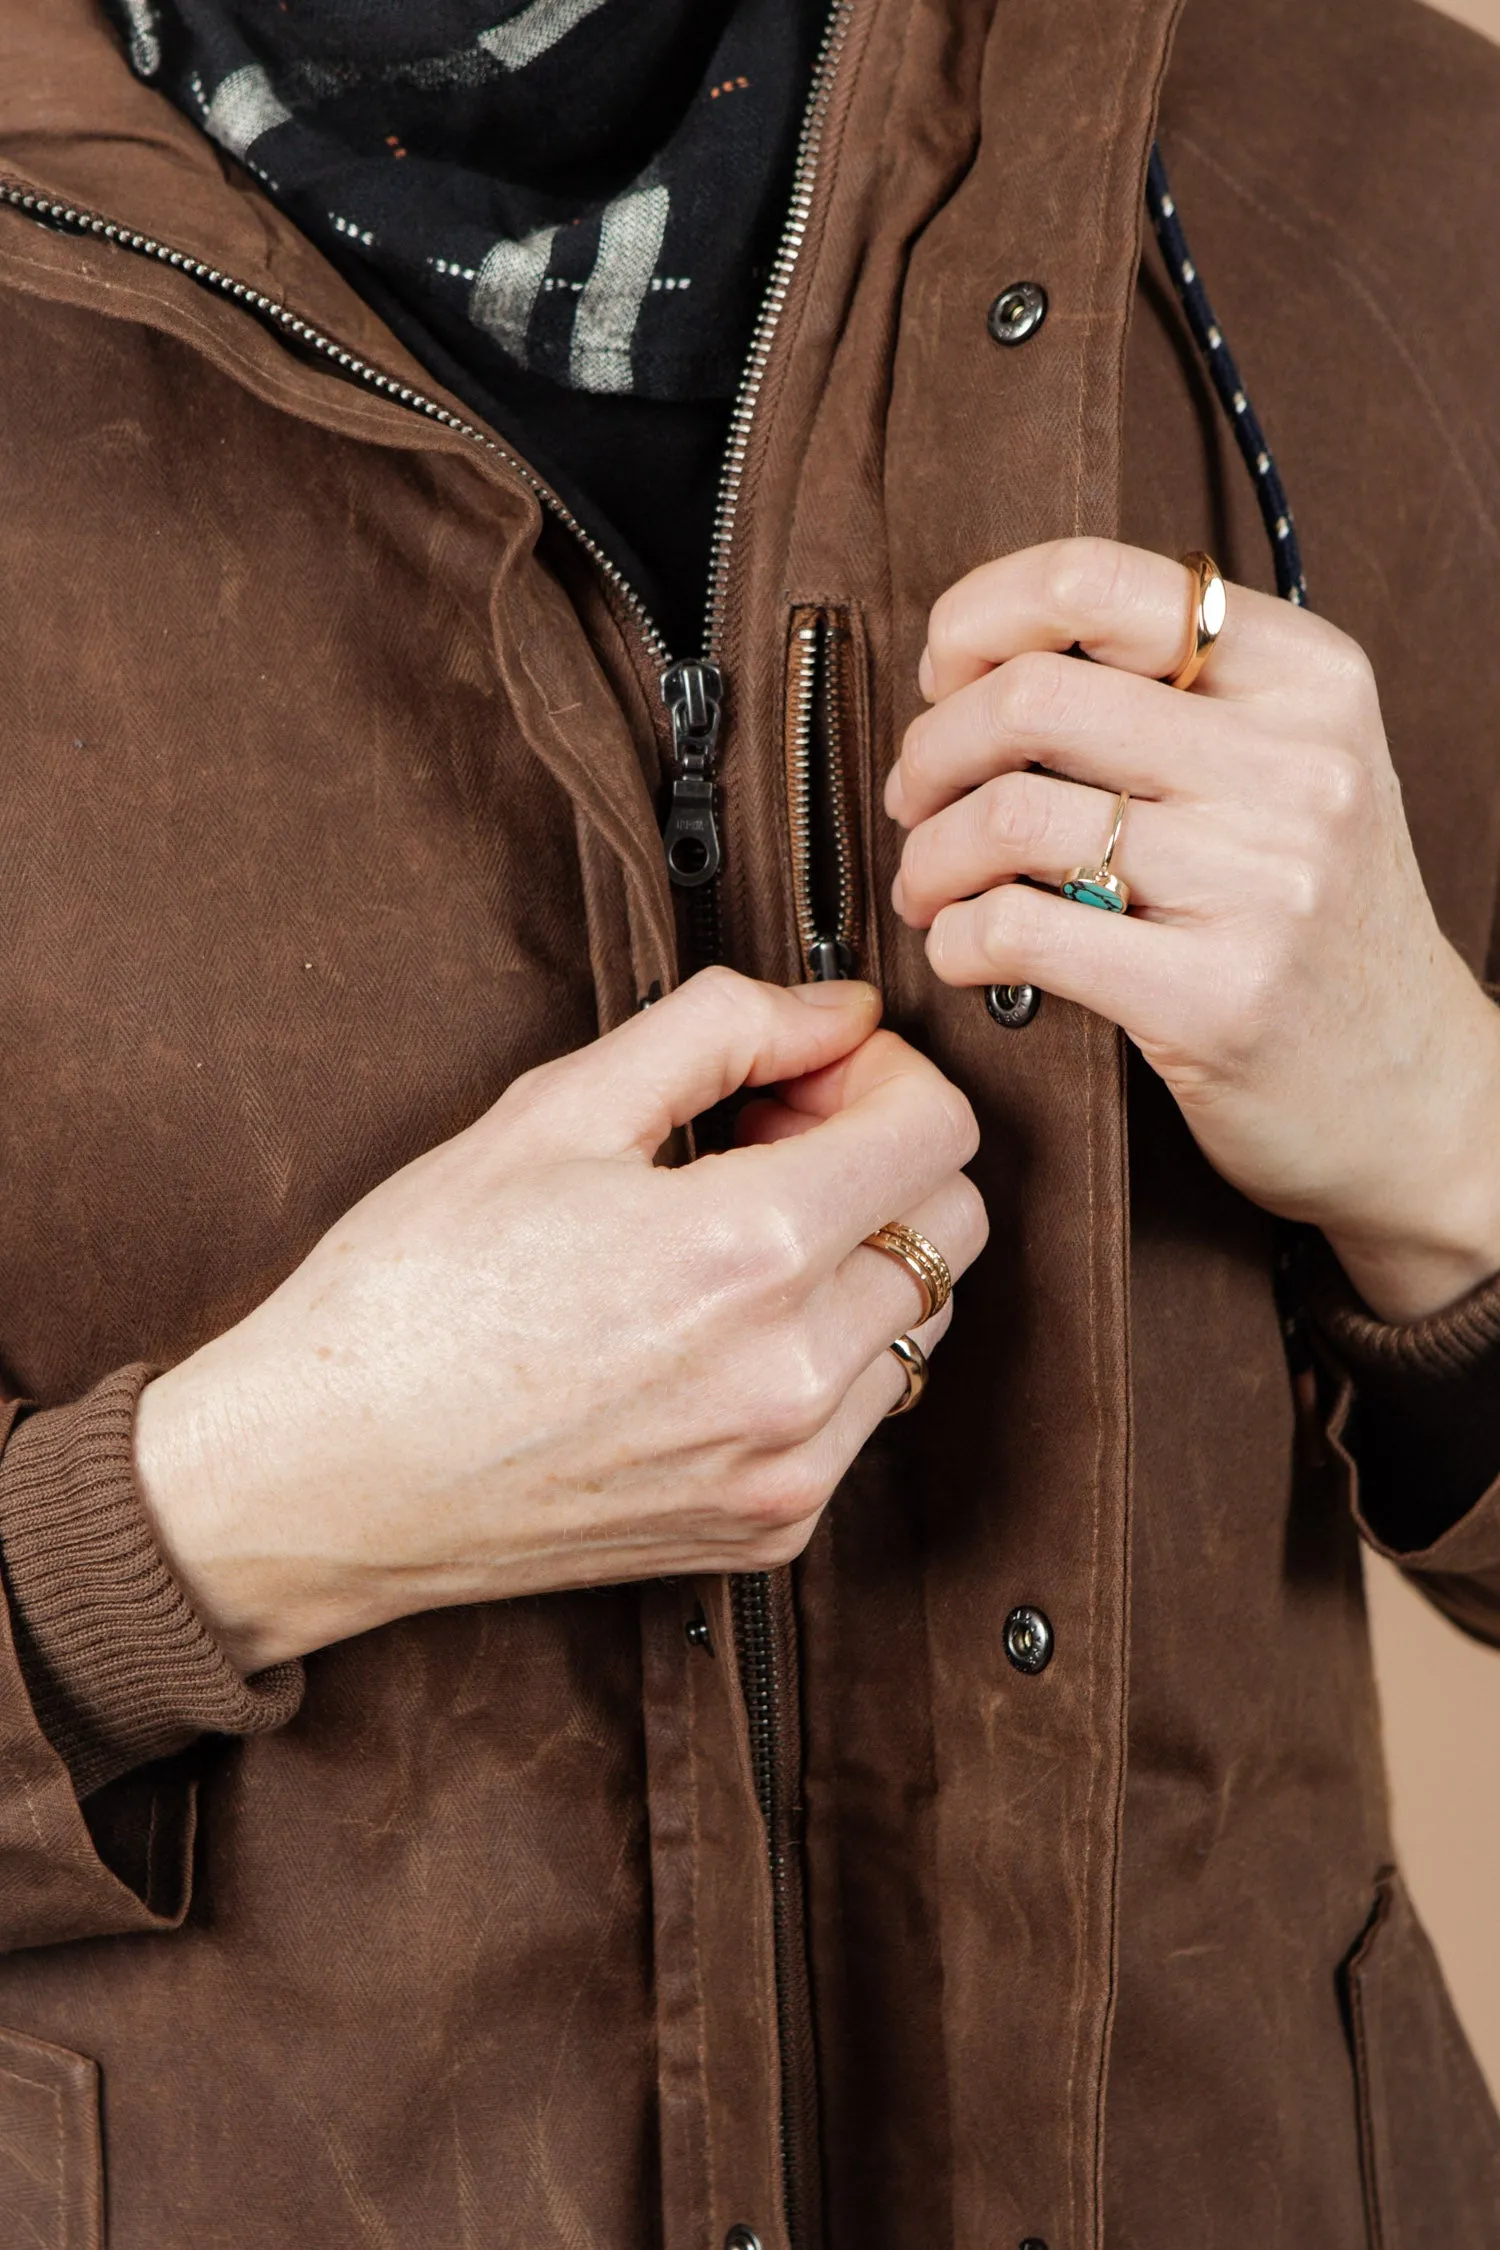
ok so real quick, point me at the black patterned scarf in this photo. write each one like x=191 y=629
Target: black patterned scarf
x=552 y=201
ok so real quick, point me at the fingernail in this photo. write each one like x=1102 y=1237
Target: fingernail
x=838 y=992
x=925 y=676
x=898 y=897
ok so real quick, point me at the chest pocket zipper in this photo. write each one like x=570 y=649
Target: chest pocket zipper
x=823 y=730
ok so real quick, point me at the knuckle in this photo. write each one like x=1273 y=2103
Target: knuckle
x=530 y=1093
x=795 y=1395
x=1016 y=810
x=780 y=1497
x=775 y=1550
x=971 y=1223
x=1034 y=696
x=1342 y=663
x=770 y=1250
x=1303 y=887
x=718 y=988
x=958 y=1125
x=1083 y=576
x=996 y=916
x=943 y=624
x=917 y=872
x=1337 y=787
x=1251 y=1002
x=917 y=746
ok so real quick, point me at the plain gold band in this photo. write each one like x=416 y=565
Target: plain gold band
x=914 y=1367
x=1208 y=586
x=922 y=1259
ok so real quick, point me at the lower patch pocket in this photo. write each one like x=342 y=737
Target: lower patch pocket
x=1429 y=2136
x=51 y=2174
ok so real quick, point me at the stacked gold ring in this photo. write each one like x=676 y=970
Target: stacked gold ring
x=922 y=1259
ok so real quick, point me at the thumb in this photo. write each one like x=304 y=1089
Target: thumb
x=627 y=1091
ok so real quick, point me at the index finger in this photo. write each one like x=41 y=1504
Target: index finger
x=890 y=1128
x=1121 y=605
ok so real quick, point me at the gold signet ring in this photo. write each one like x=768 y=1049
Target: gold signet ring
x=914 y=1366
x=1206 y=623
x=922 y=1259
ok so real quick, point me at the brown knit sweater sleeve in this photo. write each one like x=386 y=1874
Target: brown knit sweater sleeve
x=1420 y=1420
x=119 y=1668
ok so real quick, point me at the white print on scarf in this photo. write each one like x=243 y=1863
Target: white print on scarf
x=536 y=27
x=630 y=239
x=244 y=107
x=506 y=288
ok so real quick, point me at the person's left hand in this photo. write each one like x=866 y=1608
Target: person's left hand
x=1281 y=965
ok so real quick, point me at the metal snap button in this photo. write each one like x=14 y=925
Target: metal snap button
x=742 y=2238
x=1029 y=1643
x=1033 y=2242
x=1018 y=312
x=1012 y=1005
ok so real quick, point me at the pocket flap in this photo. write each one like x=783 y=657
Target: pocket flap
x=51 y=2175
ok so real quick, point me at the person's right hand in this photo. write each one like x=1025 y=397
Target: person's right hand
x=534 y=1359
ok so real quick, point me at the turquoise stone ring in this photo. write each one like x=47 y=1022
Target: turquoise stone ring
x=1106 y=891
x=1095 y=886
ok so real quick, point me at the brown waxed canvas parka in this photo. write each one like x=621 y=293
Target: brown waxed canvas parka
x=328 y=802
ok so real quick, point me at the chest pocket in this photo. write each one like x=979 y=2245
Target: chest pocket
x=1430 y=2139
x=51 y=2176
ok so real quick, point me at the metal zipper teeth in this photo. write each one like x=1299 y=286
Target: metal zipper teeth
x=816 y=652
x=804 y=182
x=81 y=221
x=799 y=784
x=835 y=681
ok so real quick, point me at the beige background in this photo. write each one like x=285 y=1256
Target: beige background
x=1441 y=1694
x=1483 y=14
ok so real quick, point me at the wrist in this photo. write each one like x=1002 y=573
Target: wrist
x=1407 y=1279
x=197 y=1464
x=1430 y=1234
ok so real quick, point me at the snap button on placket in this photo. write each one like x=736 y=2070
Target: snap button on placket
x=1018 y=312
x=742 y=2238
x=1029 y=1644
x=1012 y=1005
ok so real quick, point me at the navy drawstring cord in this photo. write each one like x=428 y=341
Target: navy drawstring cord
x=1275 y=509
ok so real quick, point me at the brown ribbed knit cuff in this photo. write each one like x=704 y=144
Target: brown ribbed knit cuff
x=1444 y=1348
x=119 y=1667
x=1423 y=1424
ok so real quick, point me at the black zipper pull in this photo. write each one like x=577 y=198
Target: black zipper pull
x=694 y=694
